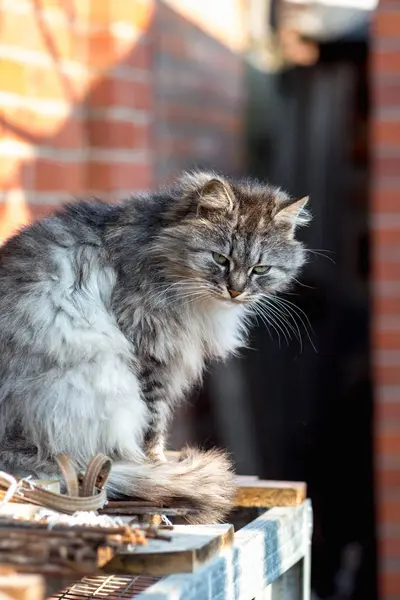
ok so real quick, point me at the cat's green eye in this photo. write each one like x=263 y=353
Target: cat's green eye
x=220 y=259
x=261 y=269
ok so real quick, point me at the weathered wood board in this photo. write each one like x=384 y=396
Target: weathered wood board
x=22 y=587
x=261 y=554
x=253 y=492
x=16 y=509
x=190 y=547
x=260 y=493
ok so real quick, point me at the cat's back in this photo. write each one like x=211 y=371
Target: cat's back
x=55 y=273
x=31 y=254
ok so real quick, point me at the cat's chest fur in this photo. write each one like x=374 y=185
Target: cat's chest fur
x=175 y=345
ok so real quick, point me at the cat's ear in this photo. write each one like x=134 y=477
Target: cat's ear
x=215 y=196
x=294 y=213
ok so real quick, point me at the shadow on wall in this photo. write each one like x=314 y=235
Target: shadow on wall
x=124 y=107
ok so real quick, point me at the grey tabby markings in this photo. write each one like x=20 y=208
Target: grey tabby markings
x=108 y=313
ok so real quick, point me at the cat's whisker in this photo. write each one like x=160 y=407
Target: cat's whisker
x=320 y=253
x=179 y=298
x=185 y=284
x=183 y=302
x=297 y=309
x=272 y=313
x=310 y=287
x=269 y=321
x=320 y=250
x=283 y=325
x=295 y=312
x=266 y=323
x=289 y=319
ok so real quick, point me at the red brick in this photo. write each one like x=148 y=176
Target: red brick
x=18 y=29
x=108 y=176
x=104 y=133
x=23 y=119
x=389 y=478
x=388 y=340
x=387 y=24
x=116 y=91
x=386 y=61
x=389 y=585
x=386 y=93
x=12 y=217
x=387 y=411
x=101 y=48
x=138 y=13
x=72 y=134
x=174 y=146
x=387 y=270
x=51 y=83
x=389 y=511
x=386 y=133
x=140 y=56
x=15 y=173
x=389 y=443
x=387 y=374
x=13 y=76
x=39 y=211
x=100 y=12
x=53 y=38
x=389 y=548
x=54 y=176
x=387 y=166
x=386 y=200
x=384 y=236
x=38 y=128
x=174 y=45
x=215 y=117
x=386 y=305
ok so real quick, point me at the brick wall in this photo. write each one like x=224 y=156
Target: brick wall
x=199 y=90
x=385 y=221
x=105 y=97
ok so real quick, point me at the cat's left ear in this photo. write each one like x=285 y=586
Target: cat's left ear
x=215 y=196
x=294 y=213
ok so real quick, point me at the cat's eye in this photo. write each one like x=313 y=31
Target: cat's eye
x=261 y=269
x=220 y=259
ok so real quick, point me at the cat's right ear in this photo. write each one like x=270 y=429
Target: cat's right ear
x=215 y=196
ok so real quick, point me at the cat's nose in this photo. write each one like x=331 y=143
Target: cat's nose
x=234 y=293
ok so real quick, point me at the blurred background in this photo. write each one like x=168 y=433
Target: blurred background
x=105 y=97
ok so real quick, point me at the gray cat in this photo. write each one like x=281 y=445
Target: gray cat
x=108 y=313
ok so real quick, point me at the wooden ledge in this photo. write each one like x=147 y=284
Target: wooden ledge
x=259 y=493
x=190 y=547
x=253 y=492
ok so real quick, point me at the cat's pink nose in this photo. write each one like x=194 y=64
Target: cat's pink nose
x=234 y=293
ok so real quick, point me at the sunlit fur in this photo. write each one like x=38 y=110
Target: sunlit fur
x=108 y=313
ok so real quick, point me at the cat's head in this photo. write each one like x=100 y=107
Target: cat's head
x=234 y=241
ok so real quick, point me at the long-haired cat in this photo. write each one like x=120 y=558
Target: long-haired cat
x=108 y=313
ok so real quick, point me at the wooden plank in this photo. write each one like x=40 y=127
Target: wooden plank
x=190 y=547
x=262 y=552
x=265 y=494
x=259 y=493
x=22 y=587
x=19 y=509
x=244 y=479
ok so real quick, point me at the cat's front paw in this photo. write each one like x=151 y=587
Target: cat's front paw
x=156 y=453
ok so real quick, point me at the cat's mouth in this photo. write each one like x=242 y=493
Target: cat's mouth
x=233 y=296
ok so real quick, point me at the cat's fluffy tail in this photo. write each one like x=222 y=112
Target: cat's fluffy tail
x=202 y=480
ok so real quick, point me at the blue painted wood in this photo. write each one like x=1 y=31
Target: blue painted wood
x=262 y=551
